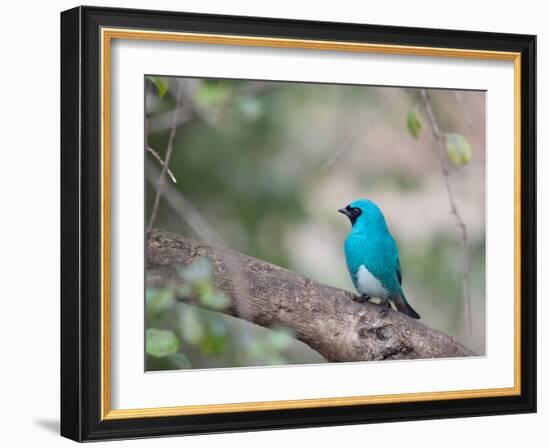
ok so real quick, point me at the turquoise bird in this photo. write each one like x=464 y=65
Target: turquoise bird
x=372 y=257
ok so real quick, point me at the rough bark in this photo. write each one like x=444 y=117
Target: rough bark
x=325 y=318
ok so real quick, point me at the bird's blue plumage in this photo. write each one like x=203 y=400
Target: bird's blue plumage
x=372 y=255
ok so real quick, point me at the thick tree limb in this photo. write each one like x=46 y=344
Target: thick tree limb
x=325 y=318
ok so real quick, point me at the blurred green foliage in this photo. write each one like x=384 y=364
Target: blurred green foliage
x=414 y=125
x=194 y=337
x=251 y=157
x=160 y=84
x=459 y=149
x=160 y=343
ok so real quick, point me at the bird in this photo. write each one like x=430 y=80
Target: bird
x=372 y=258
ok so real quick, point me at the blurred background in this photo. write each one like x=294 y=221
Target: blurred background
x=263 y=167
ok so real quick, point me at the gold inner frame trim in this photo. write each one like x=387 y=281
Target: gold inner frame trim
x=107 y=35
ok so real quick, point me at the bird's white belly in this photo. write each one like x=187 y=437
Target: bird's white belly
x=368 y=284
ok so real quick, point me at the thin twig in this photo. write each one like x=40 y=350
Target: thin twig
x=184 y=208
x=438 y=136
x=189 y=214
x=163 y=122
x=159 y=158
x=350 y=139
x=169 y=150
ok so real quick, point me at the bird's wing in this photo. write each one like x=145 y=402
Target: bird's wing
x=390 y=269
x=380 y=257
x=398 y=270
x=396 y=261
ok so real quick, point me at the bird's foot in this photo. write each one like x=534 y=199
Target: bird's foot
x=385 y=305
x=362 y=298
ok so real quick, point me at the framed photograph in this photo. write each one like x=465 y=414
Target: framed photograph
x=275 y=224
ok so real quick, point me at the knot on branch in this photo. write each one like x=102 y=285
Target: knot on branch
x=391 y=342
x=325 y=318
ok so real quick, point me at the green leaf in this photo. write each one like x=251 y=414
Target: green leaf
x=414 y=124
x=198 y=272
x=191 y=327
x=160 y=84
x=171 y=362
x=215 y=338
x=214 y=299
x=213 y=93
x=179 y=360
x=160 y=343
x=159 y=300
x=459 y=149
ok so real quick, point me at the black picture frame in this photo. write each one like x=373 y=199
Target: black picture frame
x=81 y=224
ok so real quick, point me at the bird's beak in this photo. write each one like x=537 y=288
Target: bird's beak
x=345 y=211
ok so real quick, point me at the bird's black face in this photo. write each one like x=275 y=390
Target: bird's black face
x=351 y=212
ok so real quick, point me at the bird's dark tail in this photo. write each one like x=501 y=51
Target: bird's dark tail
x=403 y=306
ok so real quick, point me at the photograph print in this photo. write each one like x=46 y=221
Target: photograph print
x=292 y=223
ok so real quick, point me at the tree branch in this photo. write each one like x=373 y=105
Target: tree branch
x=438 y=137
x=323 y=317
x=161 y=162
x=166 y=163
x=350 y=139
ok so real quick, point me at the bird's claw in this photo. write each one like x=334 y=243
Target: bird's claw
x=362 y=298
x=385 y=305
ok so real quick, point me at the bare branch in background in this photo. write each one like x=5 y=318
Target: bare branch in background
x=325 y=318
x=187 y=109
x=159 y=158
x=438 y=136
x=348 y=142
x=169 y=150
x=190 y=215
x=164 y=121
x=184 y=208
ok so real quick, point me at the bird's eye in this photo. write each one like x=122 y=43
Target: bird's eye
x=355 y=212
